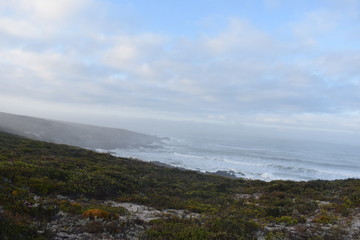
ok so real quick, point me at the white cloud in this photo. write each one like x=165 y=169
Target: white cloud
x=19 y=28
x=42 y=66
x=45 y=10
x=133 y=53
x=121 y=56
x=39 y=19
x=240 y=36
x=185 y=85
x=340 y=66
x=241 y=73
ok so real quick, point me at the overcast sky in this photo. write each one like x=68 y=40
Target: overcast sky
x=278 y=63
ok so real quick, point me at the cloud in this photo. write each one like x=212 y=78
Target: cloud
x=42 y=9
x=38 y=19
x=343 y=67
x=133 y=54
x=239 y=73
x=316 y=24
x=240 y=37
x=19 y=28
x=347 y=122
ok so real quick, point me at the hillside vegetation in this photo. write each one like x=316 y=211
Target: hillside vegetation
x=50 y=191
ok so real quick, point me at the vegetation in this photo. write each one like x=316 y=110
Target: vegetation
x=38 y=180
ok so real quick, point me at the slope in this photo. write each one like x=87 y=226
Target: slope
x=75 y=134
x=51 y=191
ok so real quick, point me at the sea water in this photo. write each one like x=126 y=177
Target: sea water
x=255 y=158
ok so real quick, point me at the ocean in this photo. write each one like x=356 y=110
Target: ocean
x=254 y=158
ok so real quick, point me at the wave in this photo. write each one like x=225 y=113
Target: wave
x=188 y=155
x=253 y=160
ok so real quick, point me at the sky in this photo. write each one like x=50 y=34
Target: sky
x=265 y=64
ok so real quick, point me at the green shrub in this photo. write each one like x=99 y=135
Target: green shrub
x=287 y=220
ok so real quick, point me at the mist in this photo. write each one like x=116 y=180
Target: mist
x=205 y=129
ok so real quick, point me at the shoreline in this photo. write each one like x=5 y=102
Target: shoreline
x=228 y=173
x=84 y=194
x=248 y=162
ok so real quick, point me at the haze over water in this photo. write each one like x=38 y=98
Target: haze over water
x=256 y=158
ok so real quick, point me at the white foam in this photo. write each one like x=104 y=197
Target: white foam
x=265 y=162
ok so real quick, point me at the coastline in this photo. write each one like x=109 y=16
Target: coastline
x=52 y=191
x=253 y=159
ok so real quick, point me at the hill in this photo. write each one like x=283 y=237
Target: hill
x=52 y=191
x=74 y=134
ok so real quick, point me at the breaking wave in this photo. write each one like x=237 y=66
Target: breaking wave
x=254 y=159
